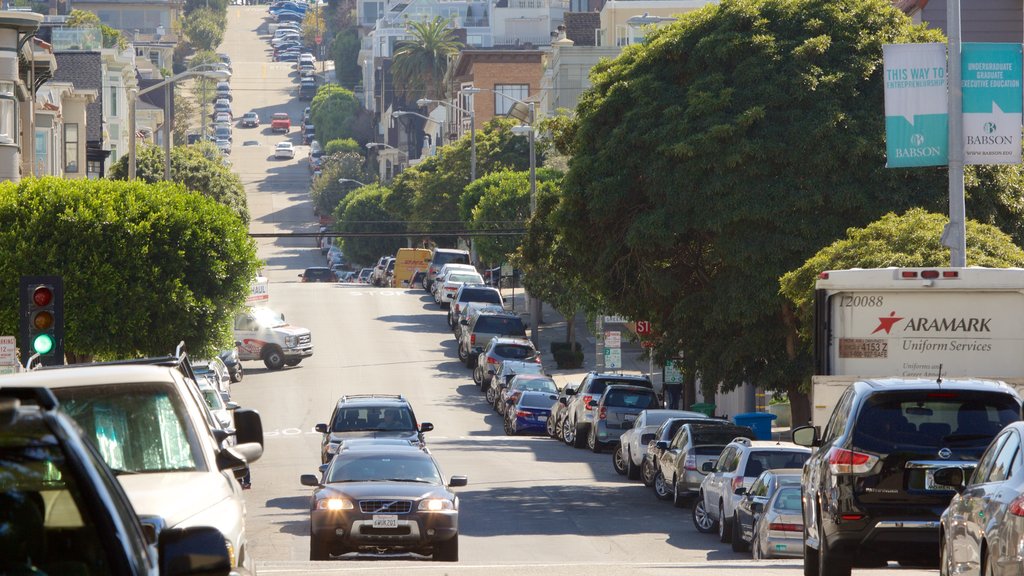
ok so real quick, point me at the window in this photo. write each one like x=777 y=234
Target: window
x=71 y=147
x=1006 y=463
x=8 y=114
x=504 y=94
x=113 y=100
x=986 y=461
x=42 y=157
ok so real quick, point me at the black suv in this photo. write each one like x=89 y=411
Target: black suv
x=370 y=416
x=869 y=490
x=62 y=511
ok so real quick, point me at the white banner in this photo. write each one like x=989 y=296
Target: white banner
x=916 y=105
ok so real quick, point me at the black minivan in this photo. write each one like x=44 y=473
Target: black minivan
x=869 y=490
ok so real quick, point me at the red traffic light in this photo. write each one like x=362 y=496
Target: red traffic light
x=42 y=296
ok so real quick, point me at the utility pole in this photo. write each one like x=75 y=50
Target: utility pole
x=954 y=235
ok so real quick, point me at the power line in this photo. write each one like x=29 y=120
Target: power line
x=468 y=233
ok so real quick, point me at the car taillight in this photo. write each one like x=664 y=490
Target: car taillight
x=587 y=400
x=843 y=461
x=786 y=527
x=472 y=339
x=602 y=413
x=737 y=483
x=1017 y=506
x=690 y=463
x=523 y=414
x=492 y=360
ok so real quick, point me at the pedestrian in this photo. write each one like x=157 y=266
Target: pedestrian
x=673 y=395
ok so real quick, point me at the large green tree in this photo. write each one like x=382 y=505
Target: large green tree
x=722 y=153
x=907 y=240
x=198 y=167
x=204 y=28
x=144 y=265
x=363 y=211
x=338 y=114
x=329 y=189
x=345 y=52
x=503 y=204
x=420 y=63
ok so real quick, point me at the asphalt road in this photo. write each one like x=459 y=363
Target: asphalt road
x=532 y=506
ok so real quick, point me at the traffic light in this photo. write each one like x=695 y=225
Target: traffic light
x=42 y=319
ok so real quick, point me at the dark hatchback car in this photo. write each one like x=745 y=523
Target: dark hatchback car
x=386 y=498
x=880 y=451
x=370 y=416
x=665 y=433
x=318 y=274
x=529 y=412
x=680 y=462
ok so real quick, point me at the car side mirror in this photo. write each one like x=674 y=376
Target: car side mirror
x=661 y=445
x=300 y=275
x=323 y=468
x=238 y=343
x=457 y=481
x=707 y=467
x=741 y=491
x=426 y=427
x=563 y=401
x=321 y=428
x=464 y=322
x=232 y=406
x=248 y=426
x=806 y=436
x=193 y=550
x=309 y=480
x=952 y=477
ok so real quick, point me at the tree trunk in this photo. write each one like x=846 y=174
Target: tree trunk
x=74 y=358
x=799 y=401
x=570 y=328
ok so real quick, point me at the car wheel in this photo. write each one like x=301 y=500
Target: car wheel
x=509 y=431
x=647 y=472
x=724 y=525
x=552 y=427
x=501 y=407
x=828 y=563
x=755 y=545
x=568 y=432
x=292 y=362
x=678 y=500
x=478 y=376
x=319 y=549
x=447 y=551
x=273 y=358
x=702 y=521
x=592 y=442
x=632 y=470
x=619 y=460
x=464 y=357
x=489 y=396
x=661 y=486
x=579 y=439
x=738 y=544
x=236 y=376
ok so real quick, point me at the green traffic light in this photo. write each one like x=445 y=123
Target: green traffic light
x=43 y=344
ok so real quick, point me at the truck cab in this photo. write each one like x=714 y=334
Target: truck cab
x=264 y=335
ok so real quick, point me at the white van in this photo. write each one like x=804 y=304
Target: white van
x=264 y=335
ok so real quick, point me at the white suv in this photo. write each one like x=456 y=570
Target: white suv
x=740 y=463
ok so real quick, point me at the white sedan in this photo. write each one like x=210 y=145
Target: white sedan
x=284 y=150
x=450 y=285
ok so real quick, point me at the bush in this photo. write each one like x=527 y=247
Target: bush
x=340 y=145
x=567 y=355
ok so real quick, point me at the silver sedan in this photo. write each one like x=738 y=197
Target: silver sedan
x=779 y=532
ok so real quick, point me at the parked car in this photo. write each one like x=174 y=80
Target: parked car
x=483 y=355
x=665 y=433
x=318 y=274
x=680 y=462
x=445 y=269
x=222 y=118
x=284 y=150
x=751 y=506
x=379 y=276
x=983 y=523
x=387 y=498
x=529 y=412
x=308 y=134
x=451 y=283
x=62 y=510
x=364 y=275
x=468 y=293
x=441 y=257
x=370 y=416
x=222 y=132
x=222 y=106
x=737 y=467
x=582 y=405
x=617 y=411
x=521 y=383
x=506 y=370
x=250 y=120
x=470 y=310
x=280 y=122
x=632 y=448
x=559 y=409
x=779 y=533
x=885 y=435
x=224 y=146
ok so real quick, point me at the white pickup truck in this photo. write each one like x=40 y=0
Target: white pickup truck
x=264 y=335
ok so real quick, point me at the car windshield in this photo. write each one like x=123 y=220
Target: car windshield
x=933 y=420
x=364 y=419
x=703 y=437
x=268 y=318
x=630 y=399
x=761 y=460
x=480 y=295
x=213 y=399
x=137 y=427
x=414 y=467
x=512 y=351
x=466 y=278
x=442 y=258
x=598 y=386
x=788 y=500
x=535 y=385
x=505 y=326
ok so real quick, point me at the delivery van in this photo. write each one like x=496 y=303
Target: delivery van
x=407 y=262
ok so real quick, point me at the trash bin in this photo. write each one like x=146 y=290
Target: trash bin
x=759 y=422
x=704 y=408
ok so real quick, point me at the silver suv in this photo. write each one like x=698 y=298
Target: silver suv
x=617 y=411
x=579 y=413
x=477 y=336
x=740 y=463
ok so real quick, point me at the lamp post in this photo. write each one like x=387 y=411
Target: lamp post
x=134 y=95
x=372 y=145
x=348 y=180
x=472 y=125
x=530 y=130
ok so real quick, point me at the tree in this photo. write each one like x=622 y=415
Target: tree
x=144 y=265
x=327 y=192
x=723 y=152
x=197 y=167
x=419 y=65
x=363 y=211
x=345 y=52
x=504 y=203
x=342 y=145
x=313 y=25
x=215 y=5
x=184 y=112
x=112 y=37
x=337 y=114
x=908 y=240
x=204 y=28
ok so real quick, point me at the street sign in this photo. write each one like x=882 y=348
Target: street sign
x=615 y=320
x=506 y=269
x=613 y=339
x=643 y=328
x=672 y=373
x=612 y=358
x=319 y=39
x=8 y=351
x=647 y=343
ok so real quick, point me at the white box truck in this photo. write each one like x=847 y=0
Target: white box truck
x=914 y=322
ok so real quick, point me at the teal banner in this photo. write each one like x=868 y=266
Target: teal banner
x=992 y=102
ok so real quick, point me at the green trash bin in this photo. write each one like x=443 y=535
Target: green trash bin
x=704 y=408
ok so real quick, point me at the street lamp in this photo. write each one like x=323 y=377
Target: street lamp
x=372 y=145
x=530 y=130
x=422 y=102
x=217 y=73
x=347 y=180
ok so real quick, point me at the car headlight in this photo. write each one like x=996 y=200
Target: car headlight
x=334 y=504
x=290 y=341
x=332 y=448
x=435 y=505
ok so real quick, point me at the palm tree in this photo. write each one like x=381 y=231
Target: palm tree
x=420 y=64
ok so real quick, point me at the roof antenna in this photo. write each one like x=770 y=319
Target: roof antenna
x=938 y=380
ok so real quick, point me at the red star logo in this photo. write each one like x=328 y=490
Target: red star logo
x=886 y=323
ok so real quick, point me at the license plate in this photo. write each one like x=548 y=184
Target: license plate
x=385 y=521
x=542 y=418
